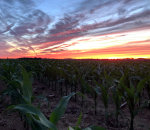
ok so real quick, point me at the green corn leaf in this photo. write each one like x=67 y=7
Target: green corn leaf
x=27 y=86
x=60 y=109
x=140 y=85
x=74 y=128
x=30 y=109
x=128 y=92
x=70 y=128
x=81 y=94
x=78 y=122
x=122 y=84
x=37 y=125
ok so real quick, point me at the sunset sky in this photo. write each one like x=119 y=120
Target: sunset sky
x=75 y=28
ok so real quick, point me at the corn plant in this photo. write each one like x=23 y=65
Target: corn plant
x=86 y=89
x=75 y=75
x=8 y=75
x=37 y=120
x=117 y=100
x=131 y=95
x=33 y=116
x=104 y=92
x=148 y=90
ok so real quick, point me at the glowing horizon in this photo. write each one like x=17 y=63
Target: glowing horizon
x=82 y=29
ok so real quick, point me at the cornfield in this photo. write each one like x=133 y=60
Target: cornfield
x=114 y=91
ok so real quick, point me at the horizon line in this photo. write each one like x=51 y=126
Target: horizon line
x=76 y=58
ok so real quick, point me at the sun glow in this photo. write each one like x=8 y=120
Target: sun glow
x=105 y=41
x=131 y=44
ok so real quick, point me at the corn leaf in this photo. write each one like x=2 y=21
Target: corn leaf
x=78 y=122
x=27 y=86
x=70 y=128
x=29 y=109
x=60 y=109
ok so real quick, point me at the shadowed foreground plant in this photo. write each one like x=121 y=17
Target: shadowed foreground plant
x=33 y=116
x=37 y=120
